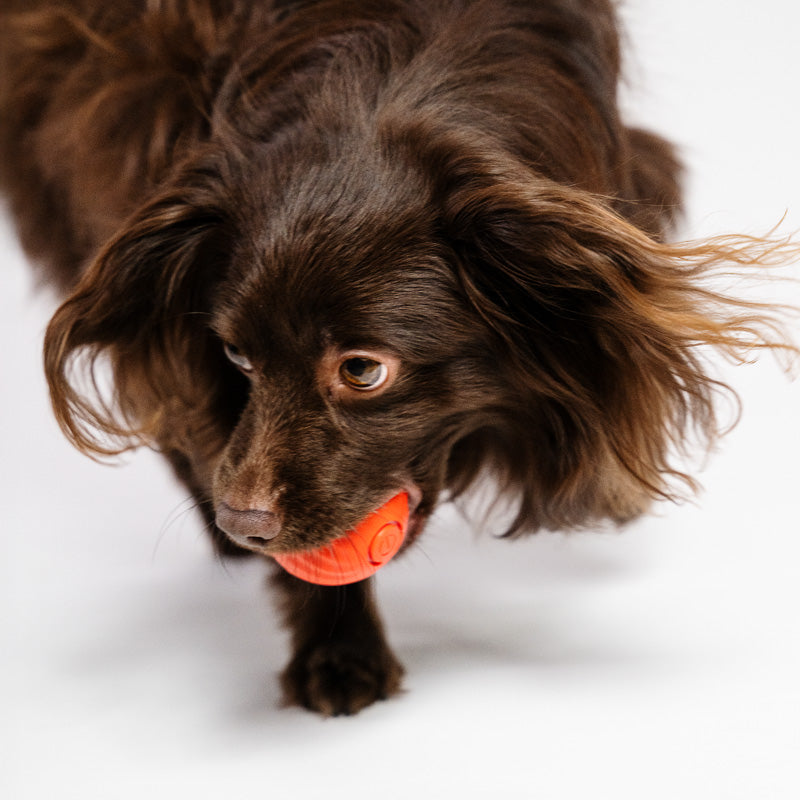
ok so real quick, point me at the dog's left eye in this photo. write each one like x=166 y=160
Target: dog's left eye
x=364 y=374
x=236 y=357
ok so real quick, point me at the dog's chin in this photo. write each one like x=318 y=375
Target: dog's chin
x=417 y=516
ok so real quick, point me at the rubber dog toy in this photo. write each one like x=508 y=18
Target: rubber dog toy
x=358 y=554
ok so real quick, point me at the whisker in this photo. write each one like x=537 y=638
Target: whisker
x=178 y=514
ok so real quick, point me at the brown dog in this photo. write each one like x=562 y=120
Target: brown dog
x=334 y=250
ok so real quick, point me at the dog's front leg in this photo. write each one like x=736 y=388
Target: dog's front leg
x=340 y=662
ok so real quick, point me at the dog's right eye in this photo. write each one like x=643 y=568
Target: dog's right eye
x=236 y=357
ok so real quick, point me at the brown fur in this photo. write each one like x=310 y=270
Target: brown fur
x=446 y=182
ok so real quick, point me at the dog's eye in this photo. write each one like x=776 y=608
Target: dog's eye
x=363 y=374
x=236 y=357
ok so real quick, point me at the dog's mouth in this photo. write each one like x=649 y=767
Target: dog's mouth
x=416 y=516
x=364 y=549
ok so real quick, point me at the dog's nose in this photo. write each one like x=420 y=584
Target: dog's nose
x=251 y=528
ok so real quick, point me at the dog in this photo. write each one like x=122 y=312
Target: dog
x=330 y=251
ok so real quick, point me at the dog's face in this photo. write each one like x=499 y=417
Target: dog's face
x=364 y=365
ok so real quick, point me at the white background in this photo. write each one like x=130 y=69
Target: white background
x=662 y=662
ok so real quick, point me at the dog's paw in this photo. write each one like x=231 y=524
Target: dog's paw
x=337 y=678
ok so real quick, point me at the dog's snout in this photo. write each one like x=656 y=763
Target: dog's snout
x=251 y=528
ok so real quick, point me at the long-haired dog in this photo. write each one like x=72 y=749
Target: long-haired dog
x=334 y=250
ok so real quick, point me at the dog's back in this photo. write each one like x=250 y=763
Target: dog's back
x=99 y=101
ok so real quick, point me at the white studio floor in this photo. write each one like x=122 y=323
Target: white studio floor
x=662 y=662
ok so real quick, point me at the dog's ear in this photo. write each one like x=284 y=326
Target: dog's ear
x=601 y=329
x=142 y=305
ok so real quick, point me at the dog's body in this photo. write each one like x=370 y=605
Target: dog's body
x=333 y=250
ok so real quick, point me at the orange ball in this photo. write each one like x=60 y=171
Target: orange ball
x=358 y=554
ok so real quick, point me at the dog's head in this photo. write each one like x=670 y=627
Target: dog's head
x=315 y=340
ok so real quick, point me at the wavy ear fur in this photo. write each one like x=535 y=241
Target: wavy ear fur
x=603 y=329
x=143 y=305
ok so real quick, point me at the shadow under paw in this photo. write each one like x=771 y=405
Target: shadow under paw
x=340 y=678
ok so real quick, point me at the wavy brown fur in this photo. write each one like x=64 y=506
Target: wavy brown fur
x=447 y=182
